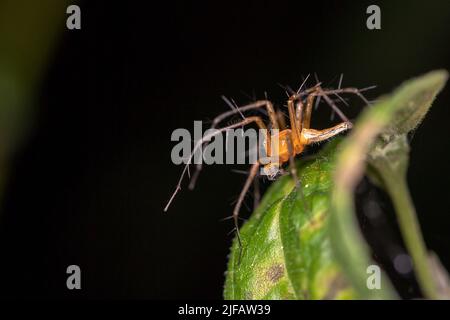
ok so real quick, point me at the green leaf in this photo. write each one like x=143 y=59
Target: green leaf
x=286 y=250
x=379 y=137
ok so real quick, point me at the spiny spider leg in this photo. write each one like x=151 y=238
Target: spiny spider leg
x=251 y=176
x=207 y=138
x=256 y=193
x=352 y=90
x=308 y=111
x=296 y=128
x=281 y=119
x=292 y=167
x=325 y=92
x=318 y=91
x=331 y=103
x=255 y=105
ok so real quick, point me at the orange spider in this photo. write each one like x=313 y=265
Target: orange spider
x=291 y=141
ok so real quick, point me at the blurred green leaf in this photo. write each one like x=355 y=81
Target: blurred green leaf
x=379 y=137
x=28 y=34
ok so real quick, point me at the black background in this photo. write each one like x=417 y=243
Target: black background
x=89 y=184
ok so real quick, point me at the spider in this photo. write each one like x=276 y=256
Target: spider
x=291 y=141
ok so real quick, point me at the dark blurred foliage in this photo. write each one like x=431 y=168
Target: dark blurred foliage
x=89 y=184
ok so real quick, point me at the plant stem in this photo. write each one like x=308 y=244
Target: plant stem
x=409 y=227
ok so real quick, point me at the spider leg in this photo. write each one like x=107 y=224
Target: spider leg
x=292 y=167
x=298 y=121
x=296 y=127
x=256 y=193
x=299 y=112
x=281 y=120
x=331 y=103
x=217 y=120
x=304 y=120
x=324 y=93
x=355 y=91
x=251 y=176
x=252 y=106
x=207 y=138
x=308 y=111
x=319 y=92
